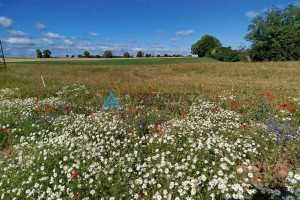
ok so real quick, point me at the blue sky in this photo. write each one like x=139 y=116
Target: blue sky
x=156 y=26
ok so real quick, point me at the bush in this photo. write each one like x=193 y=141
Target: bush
x=225 y=54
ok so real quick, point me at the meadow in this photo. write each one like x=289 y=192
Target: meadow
x=238 y=140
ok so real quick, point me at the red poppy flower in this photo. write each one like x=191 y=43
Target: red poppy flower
x=244 y=126
x=11 y=100
x=181 y=116
x=125 y=90
x=9 y=152
x=158 y=128
x=256 y=177
x=285 y=169
x=285 y=104
x=65 y=108
x=37 y=108
x=233 y=102
x=1 y=128
x=292 y=109
x=216 y=97
x=8 y=130
x=269 y=94
x=270 y=99
x=75 y=174
x=77 y=197
x=47 y=105
x=236 y=106
x=134 y=110
x=22 y=99
x=53 y=108
x=248 y=100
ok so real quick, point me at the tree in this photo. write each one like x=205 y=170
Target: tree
x=107 y=54
x=276 y=35
x=47 y=53
x=139 y=54
x=72 y=56
x=148 y=55
x=67 y=56
x=126 y=55
x=225 y=54
x=204 y=46
x=38 y=53
x=86 y=54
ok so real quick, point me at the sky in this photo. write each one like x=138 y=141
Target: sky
x=155 y=27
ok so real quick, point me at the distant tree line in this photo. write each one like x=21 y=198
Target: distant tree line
x=274 y=36
x=142 y=54
x=108 y=54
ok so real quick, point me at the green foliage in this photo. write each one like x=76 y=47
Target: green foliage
x=126 y=55
x=86 y=54
x=276 y=36
x=205 y=45
x=225 y=54
x=107 y=54
x=38 y=53
x=47 y=53
x=139 y=54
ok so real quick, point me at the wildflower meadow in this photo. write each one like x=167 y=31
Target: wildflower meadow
x=225 y=146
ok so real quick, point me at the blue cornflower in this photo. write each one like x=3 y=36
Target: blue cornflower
x=141 y=124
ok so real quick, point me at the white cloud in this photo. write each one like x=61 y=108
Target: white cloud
x=187 y=32
x=91 y=34
x=27 y=41
x=131 y=41
x=251 y=14
x=54 y=36
x=79 y=38
x=5 y=22
x=174 y=40
x=68 y=42
x=21 y=41
x=45 y=41
x=108 y=40
x=297 y=3
x=40 y=27
x=159 y=32
x=14 y=33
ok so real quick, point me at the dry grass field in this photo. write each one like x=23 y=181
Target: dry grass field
x=281 y=78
